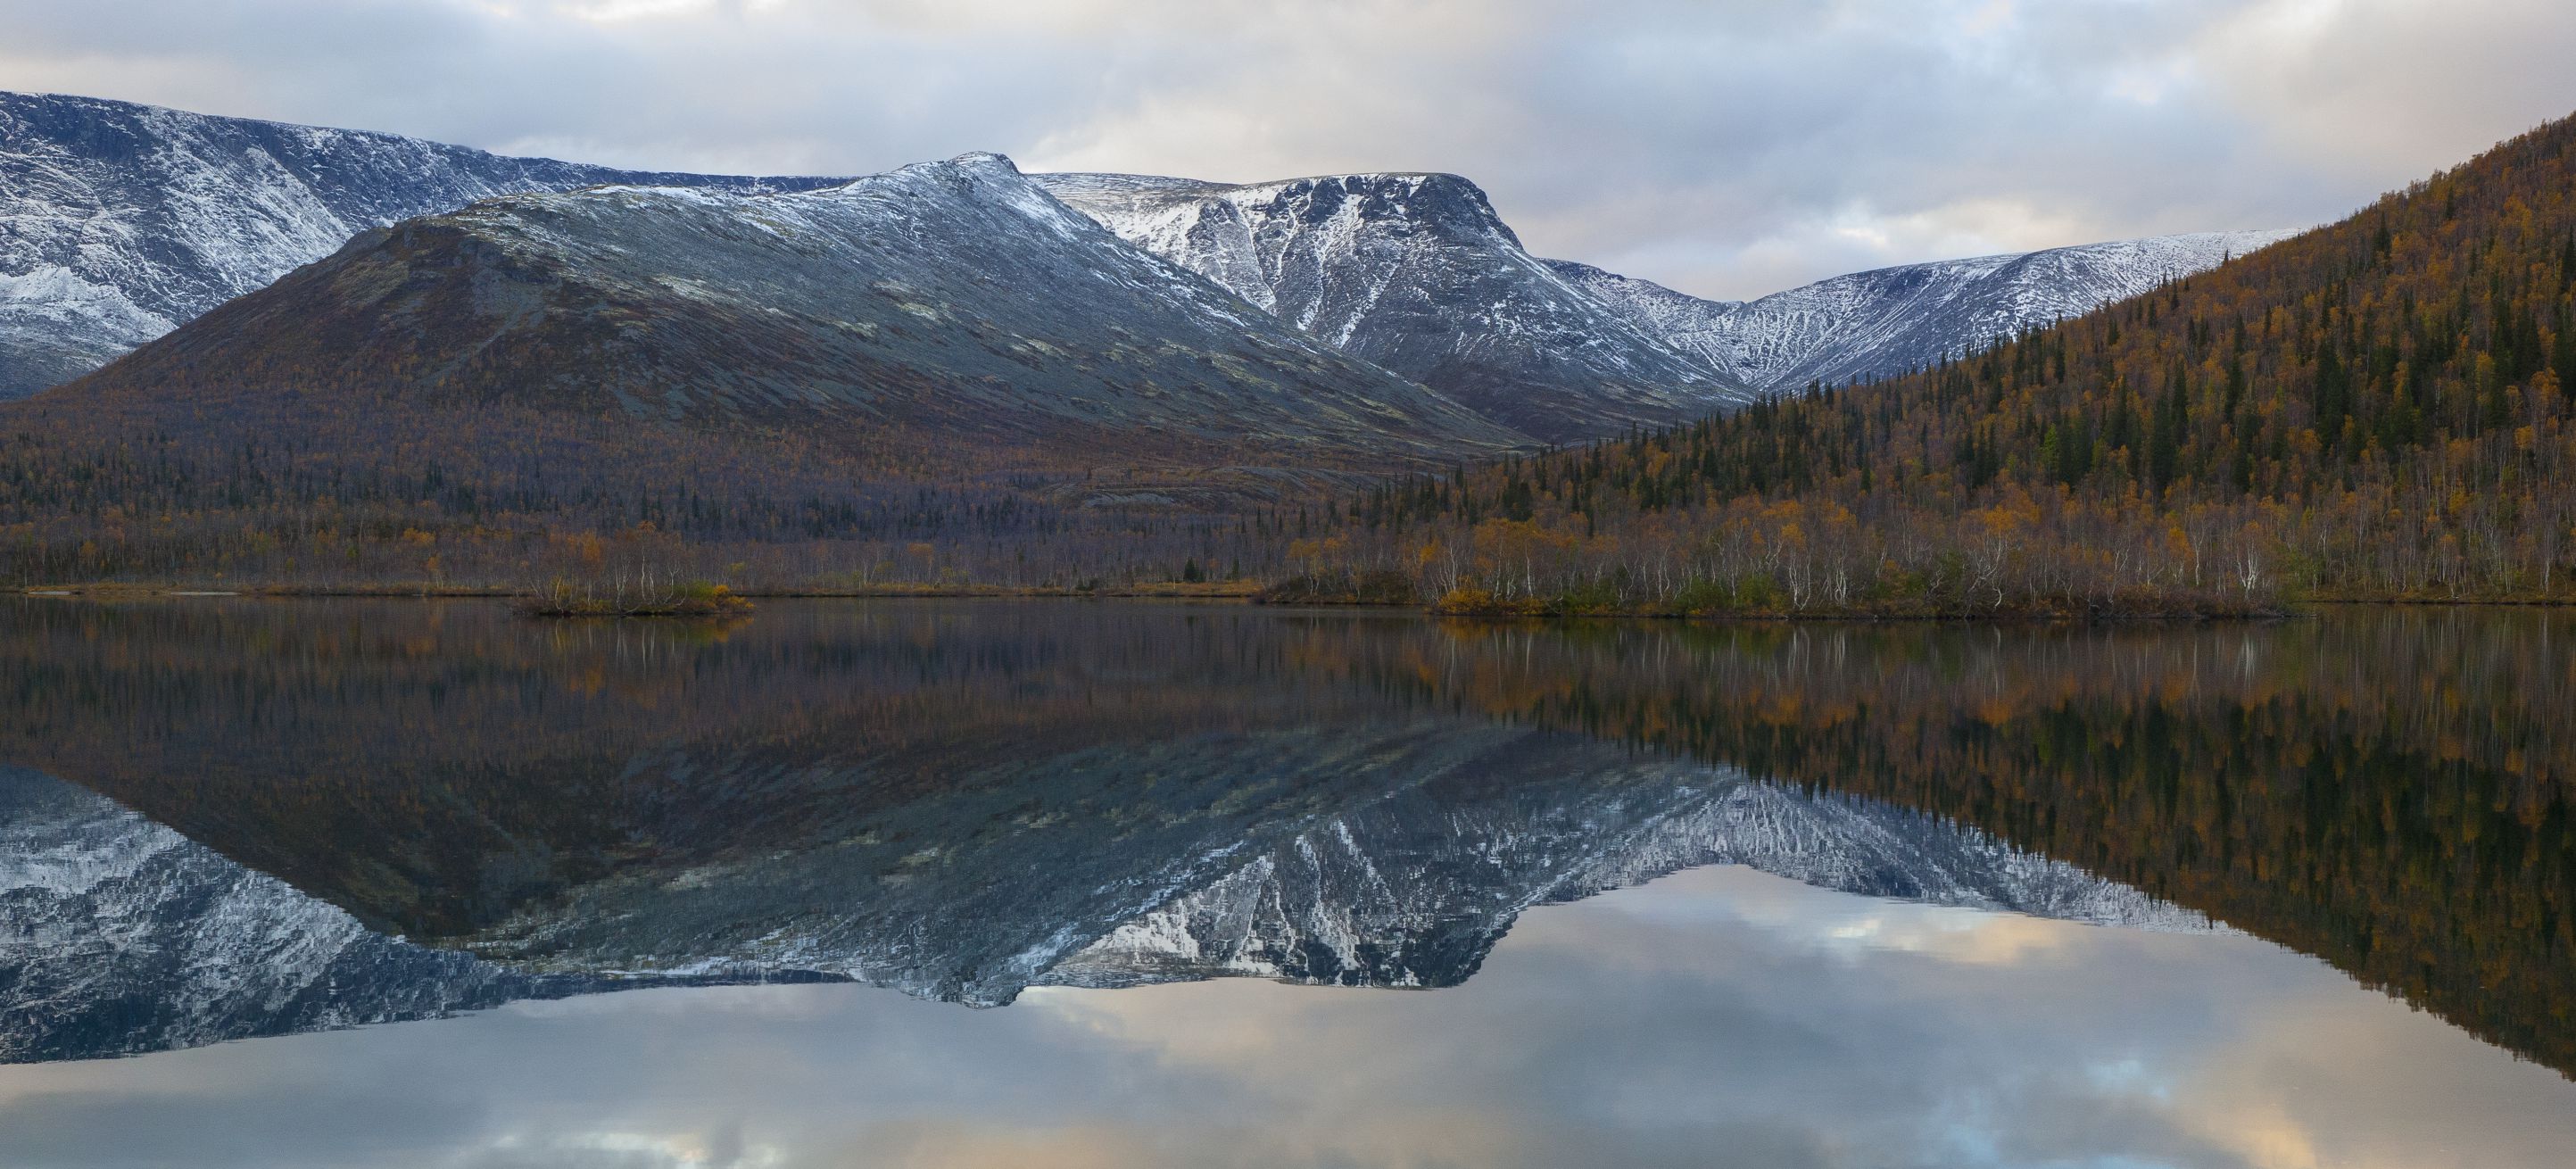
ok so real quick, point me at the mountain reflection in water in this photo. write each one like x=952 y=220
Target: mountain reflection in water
x=965 y=801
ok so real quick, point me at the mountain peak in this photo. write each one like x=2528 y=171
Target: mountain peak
x=985 y=160
x=1416 y=272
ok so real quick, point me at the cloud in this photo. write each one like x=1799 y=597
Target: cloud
x=1727 y=147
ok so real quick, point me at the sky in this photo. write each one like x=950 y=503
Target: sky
x=1727 y=148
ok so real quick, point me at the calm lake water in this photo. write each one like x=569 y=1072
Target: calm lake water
x=402 y=883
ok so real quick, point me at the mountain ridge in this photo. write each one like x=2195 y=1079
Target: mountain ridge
x=868 y=316
x=1887 y=321
x=121 y=221
x=1416 y=272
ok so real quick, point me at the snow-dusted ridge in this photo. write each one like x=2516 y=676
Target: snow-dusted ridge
x=938 y=306
x=1416 y=273
x=1888 y=321
x=119 y=222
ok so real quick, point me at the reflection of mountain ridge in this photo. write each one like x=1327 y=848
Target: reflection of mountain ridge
x=1373 y=898
x=125 y=937
x=118 y=935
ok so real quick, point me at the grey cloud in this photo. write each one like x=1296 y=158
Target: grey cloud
x=1727 y=147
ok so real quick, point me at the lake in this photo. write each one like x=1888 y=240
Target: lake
x=981 y=883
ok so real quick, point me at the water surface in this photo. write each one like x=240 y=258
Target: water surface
x=1063 y=883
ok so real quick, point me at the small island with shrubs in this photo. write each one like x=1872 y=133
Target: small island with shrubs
x=636 y=599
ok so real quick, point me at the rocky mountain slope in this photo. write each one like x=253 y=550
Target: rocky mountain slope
x=1888 y=321
x=942 y=317
x=1416 y=273
x=120 y=222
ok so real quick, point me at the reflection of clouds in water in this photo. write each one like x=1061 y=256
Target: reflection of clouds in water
x=1718 y=1014
x=1853 y=927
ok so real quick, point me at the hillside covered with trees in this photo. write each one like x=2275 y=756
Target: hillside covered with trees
x=2380 y=408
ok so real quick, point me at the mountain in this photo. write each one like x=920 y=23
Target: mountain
x=1892 y=320
x=1416 y=273
x=937 y=322
x=120 y=222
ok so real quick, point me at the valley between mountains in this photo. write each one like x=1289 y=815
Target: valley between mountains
x=260 y=355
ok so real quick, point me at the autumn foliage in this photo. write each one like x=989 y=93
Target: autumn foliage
x=2376 y=409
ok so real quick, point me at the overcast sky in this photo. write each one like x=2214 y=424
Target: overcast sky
x=1726 y=147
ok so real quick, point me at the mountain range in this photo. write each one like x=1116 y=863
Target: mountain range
x=950 y=314
x=119 y=223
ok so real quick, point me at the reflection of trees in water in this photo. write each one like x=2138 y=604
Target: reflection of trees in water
x=2387 y=790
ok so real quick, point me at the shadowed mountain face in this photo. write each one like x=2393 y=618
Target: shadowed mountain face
x=943 y=315
x=1416 y=273
x=120 y=222
x=956 y=803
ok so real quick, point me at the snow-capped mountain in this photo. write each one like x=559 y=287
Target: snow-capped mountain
x=1891 y=320
x=120 y=222
x=1416 y=273
x=947 y=310
x=118 y=935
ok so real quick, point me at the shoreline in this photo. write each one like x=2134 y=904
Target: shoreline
x=1249 y=594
